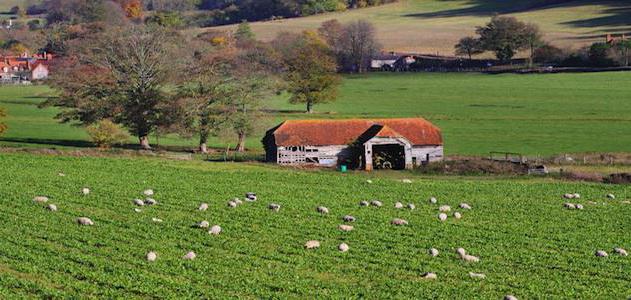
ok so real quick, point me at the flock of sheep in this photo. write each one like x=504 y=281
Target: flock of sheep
x=343 y=247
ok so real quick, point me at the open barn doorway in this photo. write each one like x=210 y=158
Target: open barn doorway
x=388 y=156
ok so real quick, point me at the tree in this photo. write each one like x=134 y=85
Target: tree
x=310 y=69
x=3 y=114
x=469 y=46
x=623 y=47
x=534 y=39
x=358 y=44
x=504 y=36
x=120 y=74
x=244 y=35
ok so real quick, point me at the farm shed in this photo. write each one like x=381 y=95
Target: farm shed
x=357 y=143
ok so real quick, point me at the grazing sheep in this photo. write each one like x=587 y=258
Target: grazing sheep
x=344 y=227
x=237 y=201
x=137 y=210
x=348 y=218
x=579 y=206
x=189 y=256
x=477 y=275
x=203 y=224
x=466 y=257
x=406 y=181
x=457 y=215
x=621 y=251
x=399 y=222
x=274 y=207
x=152 y=256
x=156 y=220
x=626 y=202
x=85 y=191
x=148 y=192
x=601 y=253
x=433 y=200
x=465 y=206
x=568 y=196
x=139 y=202
x=323 y=210
x=51 y=207
x=232 y=204
x=343 y=247
x=429 y=275
x=250 y=197
x=444 y=208
x=376 y=203
x=85 y=221
x=364 y=203
x=510 y=297
x=203 y=207
x=611 y=196
x=151 y=201
x=61 y=174
x=461 y=251
x=312 y=244
x=368 y=181
x=40 y=199
x=215 y=230
x=433 y=252
x=442 y=216
x=411 y=206
x=398 y=205
x=569 y=205
x=577 y=196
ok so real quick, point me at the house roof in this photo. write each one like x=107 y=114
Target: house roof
x=343 y=132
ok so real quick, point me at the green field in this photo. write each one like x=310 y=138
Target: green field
x=435 y=26
x=530 y=114
x=528 y=244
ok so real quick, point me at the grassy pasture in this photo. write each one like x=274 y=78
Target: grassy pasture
x=531 y=114
x=435 y=26
x=528 y=244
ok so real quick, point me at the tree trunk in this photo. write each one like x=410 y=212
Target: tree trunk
x=241 y=143
x=203 y=142
x=144 y=142
x=309 y=107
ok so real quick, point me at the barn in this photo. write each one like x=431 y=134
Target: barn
x=356 y=143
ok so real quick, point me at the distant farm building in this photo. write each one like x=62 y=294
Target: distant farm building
x=356 y=143
x=24 y=68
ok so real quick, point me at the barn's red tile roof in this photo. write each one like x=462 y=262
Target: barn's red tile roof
x=343 y=132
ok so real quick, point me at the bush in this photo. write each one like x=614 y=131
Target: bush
x=105 y=134
x=599 y=55
x=548 y=54
x=3 y=127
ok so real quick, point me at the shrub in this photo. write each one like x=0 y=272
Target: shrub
x=105 y=134
x=3 y=127
x=548 y=54
x=599 y=55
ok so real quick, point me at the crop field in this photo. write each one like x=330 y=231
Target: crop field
x=435 y=26
x=528 y=244
x=530 y=114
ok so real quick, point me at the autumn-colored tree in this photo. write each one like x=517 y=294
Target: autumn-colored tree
x=132 y=8
x=3 y=127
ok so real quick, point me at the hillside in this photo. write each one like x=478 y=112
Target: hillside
x=434 y=26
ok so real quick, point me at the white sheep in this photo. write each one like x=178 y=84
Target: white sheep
x=577 y=196
x=51 y=207
x=466 y=257
x=433 y=252
x=457 y=215
x=61 y=174
x=189 y=256
x=40 y=199
x=344 y=227
x=406 y=181
x=203 y=207
x=156 y=220
x=510 y=297
x=152 y=256
x=433 y=200
x=274 y=207
x=442 y=216
x=148 y=192
x=364 y=203
x=312 y=244
x=151 y=201
x=215 y=230
x=376 y=203
x=569 y=205
x=444 y=208
x=477 y=275
x=368 y=181
x=429 y=275
x=85 y=221
x=137 y=210
x=203 y=224
x=611 y=196
x=237 y=201
x=232 y=204
x=568 y=196
x=343 y=247
x=250 y=197
x=601 y=253
x=621 y=251
x=348 y=218
x=399 y=222
x=398 y=205
x=465 y=206
x=139 y=202
x=579 y=206
x=411 y=206
x=323 y=210
x=85 y=191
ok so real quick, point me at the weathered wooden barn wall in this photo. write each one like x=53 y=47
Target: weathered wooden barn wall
x=422 y=153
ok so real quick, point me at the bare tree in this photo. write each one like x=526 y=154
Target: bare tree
x=358 y=45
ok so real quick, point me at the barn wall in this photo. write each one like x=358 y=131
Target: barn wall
x=421 y=152
x=326 y=156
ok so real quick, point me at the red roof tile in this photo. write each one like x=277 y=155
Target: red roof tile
x=343 y=132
